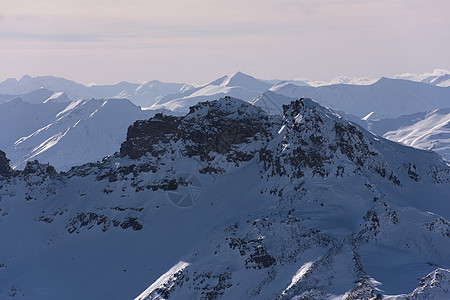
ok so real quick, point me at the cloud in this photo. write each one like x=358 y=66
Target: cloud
x=50 y=19
x=51 y=37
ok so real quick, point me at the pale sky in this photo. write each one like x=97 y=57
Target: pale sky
x=107 y=41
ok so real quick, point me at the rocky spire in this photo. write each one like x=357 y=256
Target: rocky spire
x=5 y=169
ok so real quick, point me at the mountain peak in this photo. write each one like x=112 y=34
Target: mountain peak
x=306 y=106
x=25 y=77
x=246 y=81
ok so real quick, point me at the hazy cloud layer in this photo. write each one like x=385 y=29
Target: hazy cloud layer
x=108 y=41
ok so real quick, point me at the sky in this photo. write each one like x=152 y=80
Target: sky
x=107 y=41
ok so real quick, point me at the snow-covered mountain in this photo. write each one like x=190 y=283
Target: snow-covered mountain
x=41 y=95
x=237 y=85
x=29 y=84
x=144 y=94
x=336 y=80
x=376 y=103
x=229 y=202
x=432 y=132
x=65 y=134
x=439 y=77
x=179 y=96
x=19 y=118
x=387 y=98
x=422 y=130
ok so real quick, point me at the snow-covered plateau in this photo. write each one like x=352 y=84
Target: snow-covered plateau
x=231 y=202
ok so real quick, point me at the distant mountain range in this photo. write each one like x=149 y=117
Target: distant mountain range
x=148 y=93
x=143 y=94
x=46 y=118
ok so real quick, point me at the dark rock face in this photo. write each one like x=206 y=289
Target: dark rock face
x=209 y=285
x=316 y=139
x=34 y=167
x=89 y=220
x=5 y=169
x=210 y=127
x=142 y=135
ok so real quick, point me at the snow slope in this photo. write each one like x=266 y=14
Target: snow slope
x=272 y=102
x=229 y=202
x=387 y=98
x=65 y=134
x=430 y=133
x=19 y=118
x=38 y=96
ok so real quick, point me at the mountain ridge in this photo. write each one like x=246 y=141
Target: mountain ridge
x=149 y=92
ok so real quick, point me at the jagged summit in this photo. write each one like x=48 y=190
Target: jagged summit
x=305 y=106
x=227 y=107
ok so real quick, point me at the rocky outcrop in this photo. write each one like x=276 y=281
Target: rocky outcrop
x=5 y=169
x=309 y=137
x=317 y=139
x=209 y=129
x=434 y=286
